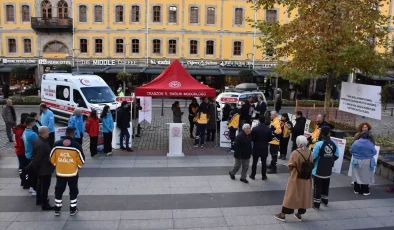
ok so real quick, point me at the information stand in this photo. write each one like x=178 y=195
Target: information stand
x=175 y=140
x=116 y=137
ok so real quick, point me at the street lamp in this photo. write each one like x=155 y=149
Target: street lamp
x=124 y=56
x=247 y=56
x=77 y=58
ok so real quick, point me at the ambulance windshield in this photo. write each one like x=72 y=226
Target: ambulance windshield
x=99 y=94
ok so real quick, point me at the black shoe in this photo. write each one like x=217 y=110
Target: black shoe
x=245 y=181
x=280 y=157
x=279 y=217
x=231 y=176
x=129 y=150
x=123 y=148
x=252 y=177
x=11 y=141
x=73 y=212
x=21 y=183
x=191 y=136
x=57 y=213
x=47 y=207
x=269 y=167
x=38 y=202
x=264 y=178
x=137 y=135
x=271 y=171
x=26 y=186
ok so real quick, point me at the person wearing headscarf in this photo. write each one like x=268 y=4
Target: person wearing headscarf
x=363 y=163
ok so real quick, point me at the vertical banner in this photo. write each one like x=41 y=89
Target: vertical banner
x=225 y=141
x=146 y=112
x=175 y=140
x=116 y=137
x=375 y=157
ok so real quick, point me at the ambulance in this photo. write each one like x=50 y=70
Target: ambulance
x=65 y=92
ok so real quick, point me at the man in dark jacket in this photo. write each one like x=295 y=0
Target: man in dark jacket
x=261 y=108
x=261 y=136
x=43 y=167
x=242 y=153
x=298 y=129
x=245 y=117
x=136 y=125
x=123 y=123
x=9 y=117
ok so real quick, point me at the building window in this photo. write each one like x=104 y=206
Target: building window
x=135 y=14
x=271 y=16
x=55 y=47
x=193 y=47
x=10 y=13
x=172 y=46
x=46 y=9
x=82 y=14
x=156 y=14
x=98 y=14
x=156 y=46
x=99 y=46
x=25 y=13
x=119 y=46
x=194 y=14
x=26 y=45
x=239 y=16
x=209 y=48
x=237 y=49
x=135 y=46
x=62 y=8
x=119 y=14
x=211 y=16
x=172 y=14
x=11 y=45
x=83 y=45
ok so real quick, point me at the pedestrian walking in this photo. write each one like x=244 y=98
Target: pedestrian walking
x=135 y=113
x=176 y=112
x=298 y=194
x=93 y=129
x=211 y=125
x=286 y=127
x=278 y=103
x=363 y=163
x=9 y=117
x=242 y=153
x=316 y=135
x=29 y=136
x=261 y=136
x=43 y=167
x=233 y=124
x=298 y=129
x=48 y=120
x=364 y=127
x=193 y=107
x=325 y=153
x=76 y=122
x=108 y=126
x=123 y=123
x=37 y=123
x=261 y=108
x=244 y=113
x=201 y=119
x=67 y=156
x=274 y=144
x=20 y=150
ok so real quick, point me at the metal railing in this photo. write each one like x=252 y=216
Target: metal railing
x=48 y=23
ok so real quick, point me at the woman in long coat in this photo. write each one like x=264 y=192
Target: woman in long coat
x=211 y=126
x=298 y=191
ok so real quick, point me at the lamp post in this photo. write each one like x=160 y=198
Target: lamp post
x=247 y=56
x=77 y=59
x=124 y=56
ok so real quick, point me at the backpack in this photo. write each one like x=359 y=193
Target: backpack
x=306 y=168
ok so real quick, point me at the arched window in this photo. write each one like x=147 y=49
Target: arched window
x=46 y=9
x=55 y=47
x=62 y=8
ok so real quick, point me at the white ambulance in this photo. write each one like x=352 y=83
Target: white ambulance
x=64 y=92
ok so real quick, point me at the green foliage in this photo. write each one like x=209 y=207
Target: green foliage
x=385 y=95
x=19 y=73
x=35 y=100
x=307 y=103
x=123 y=76
x=65 y=67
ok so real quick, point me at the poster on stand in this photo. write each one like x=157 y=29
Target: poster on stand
x=175 y=140
x=146 y=112
x=225 y=141
x=60 y=132
x=375 y=157
x=116 y=137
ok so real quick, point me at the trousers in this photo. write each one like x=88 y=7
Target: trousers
x=263 y=165
x=232 y=135
x=93 y=146
x=124 y=133
x=200 y=134
x=245 y=166
x=22 y=175
x=8 y=129
x=320 y=191
x=51 y=139
x=61 y=183
x=285 y=210
x=274 y=155
x=107 y=142
x=361 y=188
x=192 y=123
x=283 y=144
x=211 y=134
x=44 y=182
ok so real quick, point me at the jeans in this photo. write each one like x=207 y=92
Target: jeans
x=107 y=142
x=79 y=140
x=321 y=187
x=191 y=121
x=61 y=183
x=200 y=133
x=93 y=146
x=124 y=133
x=245 y=166
x=8 y=129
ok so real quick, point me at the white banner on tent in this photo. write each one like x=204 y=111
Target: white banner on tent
x=175 y=140
x=341 y=145
x=116 y=137
x=375 y=157
x=146 y=112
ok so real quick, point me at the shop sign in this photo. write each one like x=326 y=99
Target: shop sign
x=107 y=62
x=160 y=62
x=235 y=64
x=268 y=66
x=19 y=61
x=202 y=63
x=53 y=62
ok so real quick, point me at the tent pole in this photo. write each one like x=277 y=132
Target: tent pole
x=216 y=123
x=162 y=106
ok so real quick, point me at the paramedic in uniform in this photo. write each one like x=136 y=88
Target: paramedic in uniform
x=48 y=120
x=274 y=144
x=67 y=156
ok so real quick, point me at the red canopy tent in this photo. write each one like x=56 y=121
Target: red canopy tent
x=175 y=81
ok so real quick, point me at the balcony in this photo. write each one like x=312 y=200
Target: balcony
x=52 y=24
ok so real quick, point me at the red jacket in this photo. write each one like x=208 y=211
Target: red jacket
x=92 y=127
x=18 y=144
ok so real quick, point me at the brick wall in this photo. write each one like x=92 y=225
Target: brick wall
x=334 y=115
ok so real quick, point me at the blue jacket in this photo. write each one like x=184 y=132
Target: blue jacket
x=48 y=120
x=327 y=166
x=108 y=123
x=28 y=139
x=77 y=123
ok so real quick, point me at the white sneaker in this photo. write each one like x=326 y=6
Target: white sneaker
x=109 y=154
x=34 y=193
x=31 y=190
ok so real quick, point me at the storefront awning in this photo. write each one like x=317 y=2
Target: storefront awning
x=5 y=69
x=262 y=72
x=128 y=69
x=153 y=70
x=206 y=71
x=87 y=69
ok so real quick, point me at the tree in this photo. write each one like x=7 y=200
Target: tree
x=19 y=73
x=65 y=67
x=327 y=38
x=386 y=94
x=123 y=76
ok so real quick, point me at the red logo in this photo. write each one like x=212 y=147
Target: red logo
x=66 y=142
x=145 y=105
x=84 y=82
x=229 y=99
x=174 y=84
x=226 y=134
x=176 y=132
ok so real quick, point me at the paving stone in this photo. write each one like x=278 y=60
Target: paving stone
x=92 y=225
x=200 y=222
x=147 y=224
x=146 y=214
x=36 y=225
x=196 y=213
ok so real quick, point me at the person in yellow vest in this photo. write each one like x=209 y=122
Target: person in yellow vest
x=286 y=127
x=233 y=124
x=274 y=144
x=201 y=119
x=316 y=135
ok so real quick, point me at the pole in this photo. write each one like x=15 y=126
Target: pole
x=216 y=123
x=254 y=32
x=162 y=106
x=124 y=58
x=147 y=33
x=78 y=63
x=72 y=8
